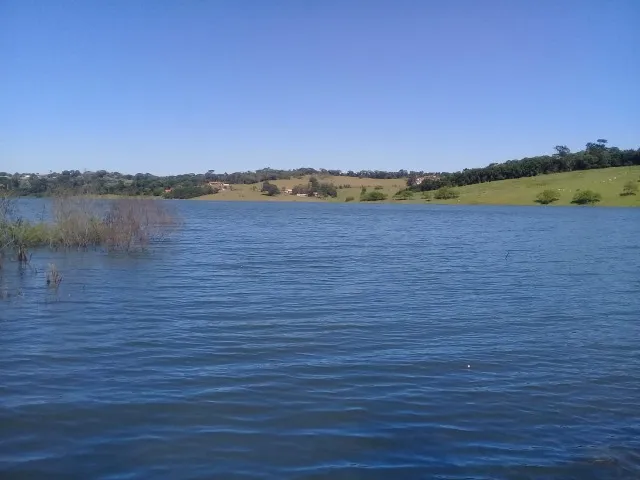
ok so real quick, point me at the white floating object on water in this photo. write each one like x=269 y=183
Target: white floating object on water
x=468 y=366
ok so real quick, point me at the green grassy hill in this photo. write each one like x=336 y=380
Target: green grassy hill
x=347 y=187
x=607 y=181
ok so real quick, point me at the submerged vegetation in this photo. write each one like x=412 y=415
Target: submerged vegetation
x=54 y=277
x=79 y=223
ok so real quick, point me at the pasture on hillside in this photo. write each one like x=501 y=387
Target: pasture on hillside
x=609 y=182
x=347 y=187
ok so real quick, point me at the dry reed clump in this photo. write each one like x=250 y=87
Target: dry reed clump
x=79 y=222
x=117 y=225
x=54 y=277
x=6 y=211
x=132 y=224
x=76 y=223
x=16 y=235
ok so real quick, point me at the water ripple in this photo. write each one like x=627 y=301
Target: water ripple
x=271 y=341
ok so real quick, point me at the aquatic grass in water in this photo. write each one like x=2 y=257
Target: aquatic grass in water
x=80 y=222
x=54 y=277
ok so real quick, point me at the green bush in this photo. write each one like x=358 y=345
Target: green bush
x=374 y=196
x=349 y=199
x=547 y=196
x=426 y=196
x=630 y=188
x=403 y=195
x=378 y=187
x=327 y=189
x=586 y=197
x=446 y=193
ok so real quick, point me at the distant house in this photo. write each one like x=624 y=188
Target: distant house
x=419 y=180
x=301 y=195
x=219 y=185
x=287 y=191
x=167 y=190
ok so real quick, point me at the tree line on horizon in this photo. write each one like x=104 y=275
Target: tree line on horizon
x=595 y=155
x=187 y=185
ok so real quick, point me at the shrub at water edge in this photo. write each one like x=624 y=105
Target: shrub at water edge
x=374 y=196
x=446 y=193
x=547 y=197
x=403 y=195
x=586 y=197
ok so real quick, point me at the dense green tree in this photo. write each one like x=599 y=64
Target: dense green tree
x=595 y=155
x=270 y=189
x=185 y=192
x=327 y=189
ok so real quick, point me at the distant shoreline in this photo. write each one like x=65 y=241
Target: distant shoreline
x=610 y=184
x=395 y=202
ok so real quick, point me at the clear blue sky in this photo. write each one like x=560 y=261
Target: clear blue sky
x=170 y=86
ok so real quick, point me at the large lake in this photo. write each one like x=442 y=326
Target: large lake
x=332 y=341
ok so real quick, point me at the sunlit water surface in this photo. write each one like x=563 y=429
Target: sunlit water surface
x=332 y=341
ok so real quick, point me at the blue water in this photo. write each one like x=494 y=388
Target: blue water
x=332 y=341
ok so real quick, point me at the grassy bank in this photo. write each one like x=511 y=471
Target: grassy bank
x=347 y=187
x=608 y=182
